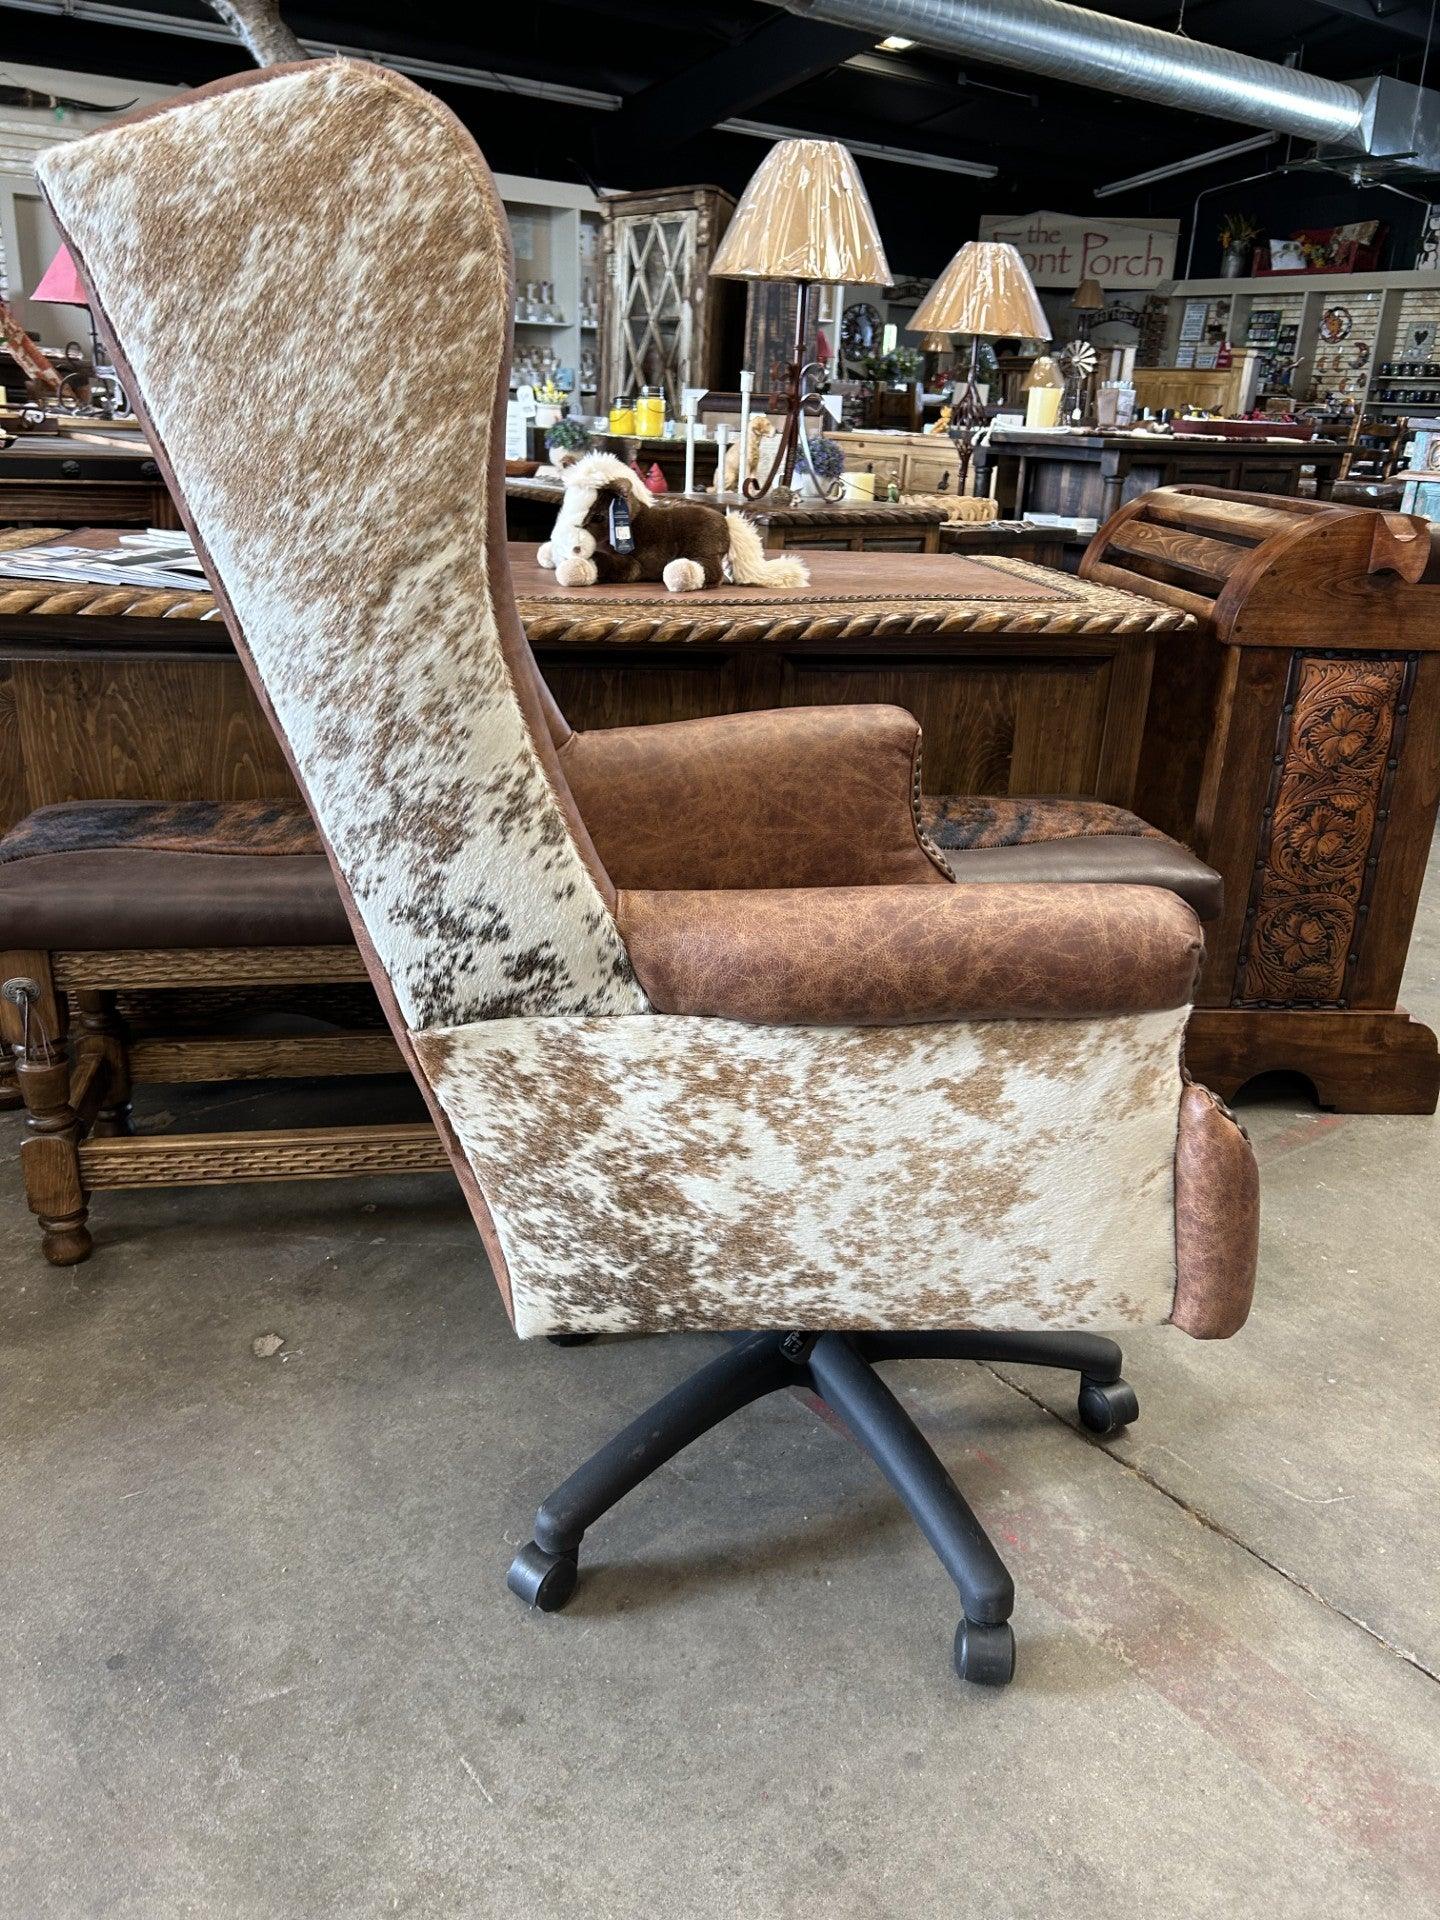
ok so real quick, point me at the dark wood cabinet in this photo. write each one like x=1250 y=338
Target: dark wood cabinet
x=1089 y=476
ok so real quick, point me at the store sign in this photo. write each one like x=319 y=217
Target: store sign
x=1062 y=249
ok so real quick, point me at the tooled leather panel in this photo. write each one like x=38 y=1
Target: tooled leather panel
x=1217 y=1218
x=168 y=826
x=802 y=797
x=960 y=821
x=892 y=955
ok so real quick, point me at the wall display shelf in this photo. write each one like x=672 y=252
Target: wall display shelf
x=1325 y=338
x=555 y=232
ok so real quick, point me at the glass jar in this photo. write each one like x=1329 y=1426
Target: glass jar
x=650 y=413
x=622 y=414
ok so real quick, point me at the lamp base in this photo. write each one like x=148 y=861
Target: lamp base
x=794 y=447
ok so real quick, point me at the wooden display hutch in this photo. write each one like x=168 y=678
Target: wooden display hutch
x=666 y=321
x=1295 y=745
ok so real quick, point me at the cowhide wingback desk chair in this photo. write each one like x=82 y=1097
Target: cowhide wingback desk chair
x=701 y=1061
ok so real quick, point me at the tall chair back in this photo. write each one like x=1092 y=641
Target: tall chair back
x=333 y=229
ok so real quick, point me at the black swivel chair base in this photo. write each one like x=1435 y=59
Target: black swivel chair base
x=838 y=1367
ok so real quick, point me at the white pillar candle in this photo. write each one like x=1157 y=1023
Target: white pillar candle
x=747 y=387
x=722 y=440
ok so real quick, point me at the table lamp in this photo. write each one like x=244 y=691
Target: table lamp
x=805 y=217
x=986 y=291
x=60 y=285
x=1087 y=300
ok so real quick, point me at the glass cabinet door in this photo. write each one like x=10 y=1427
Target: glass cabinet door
x=652 y=302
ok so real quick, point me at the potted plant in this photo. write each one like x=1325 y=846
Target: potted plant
x=1238 y=234
x=828 y=463
x=567 y=436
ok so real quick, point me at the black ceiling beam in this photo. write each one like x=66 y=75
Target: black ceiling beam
x=781 y=54
x=1410 y=20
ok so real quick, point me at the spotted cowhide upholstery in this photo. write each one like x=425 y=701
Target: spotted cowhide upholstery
x=288 y=226
x=630 y=1169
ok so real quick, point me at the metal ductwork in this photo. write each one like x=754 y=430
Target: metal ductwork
x=1380 y=117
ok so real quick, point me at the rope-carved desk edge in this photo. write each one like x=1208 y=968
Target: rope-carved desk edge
x=745 y=616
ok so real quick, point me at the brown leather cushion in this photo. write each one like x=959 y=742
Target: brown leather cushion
x=885 y=956
x=1066 y=841
x=135 y=897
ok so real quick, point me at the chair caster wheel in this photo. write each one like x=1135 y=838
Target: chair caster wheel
x=1107 y=1406
x=543 y=1580
x=985 y=1654
x=571 y=1339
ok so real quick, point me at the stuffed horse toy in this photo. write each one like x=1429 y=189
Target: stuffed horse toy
x=612 y=528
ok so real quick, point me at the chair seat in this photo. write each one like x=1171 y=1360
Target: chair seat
x=1038 y=839
x=128 y=874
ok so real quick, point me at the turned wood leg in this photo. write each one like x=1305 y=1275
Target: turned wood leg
x=99 y=1029
x=9 y=1085
x=49 y=1156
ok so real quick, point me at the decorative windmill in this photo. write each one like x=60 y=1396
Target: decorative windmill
x=1078 y=362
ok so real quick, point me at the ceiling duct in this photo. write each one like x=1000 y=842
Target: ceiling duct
x=1384 y=118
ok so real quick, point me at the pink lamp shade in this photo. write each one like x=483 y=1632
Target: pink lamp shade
x=61 y=284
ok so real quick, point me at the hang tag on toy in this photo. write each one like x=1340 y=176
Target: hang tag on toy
x=621 y=538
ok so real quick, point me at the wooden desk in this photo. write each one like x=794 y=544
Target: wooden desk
x=1058 y=547
x=1025 y=681
x=880 y=526
x=1092 y=475
x=83 y=480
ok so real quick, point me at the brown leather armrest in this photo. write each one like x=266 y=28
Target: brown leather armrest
x=801 y=797
x=884 y=956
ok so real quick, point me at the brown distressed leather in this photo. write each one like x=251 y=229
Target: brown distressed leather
x=1123 y=860
x=1217 y=1218
x=892 y=955
x=801 y=797
x=133 y=897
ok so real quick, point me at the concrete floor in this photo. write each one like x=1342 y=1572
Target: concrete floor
x=259 y=1662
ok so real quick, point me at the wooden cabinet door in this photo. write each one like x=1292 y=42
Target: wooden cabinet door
x=662 y=307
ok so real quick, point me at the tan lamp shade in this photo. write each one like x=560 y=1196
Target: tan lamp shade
x=1087 y=297
x=1043 y=373
x=986 y=289
x=937 y=343
x=804 y=216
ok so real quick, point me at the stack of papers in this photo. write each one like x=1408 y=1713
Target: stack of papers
x=156 y=558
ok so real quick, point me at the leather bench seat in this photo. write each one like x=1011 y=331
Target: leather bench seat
x=1033 y=839
x=122 y=874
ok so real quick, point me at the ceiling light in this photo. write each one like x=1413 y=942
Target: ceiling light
x=894 y=43
x=869 y=149
x=1210 y=157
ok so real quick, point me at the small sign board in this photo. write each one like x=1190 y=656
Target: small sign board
x=1062 y=249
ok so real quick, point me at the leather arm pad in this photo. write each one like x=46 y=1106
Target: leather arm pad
x=886 y=956
x=1217 y=1218
x=799 y=797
